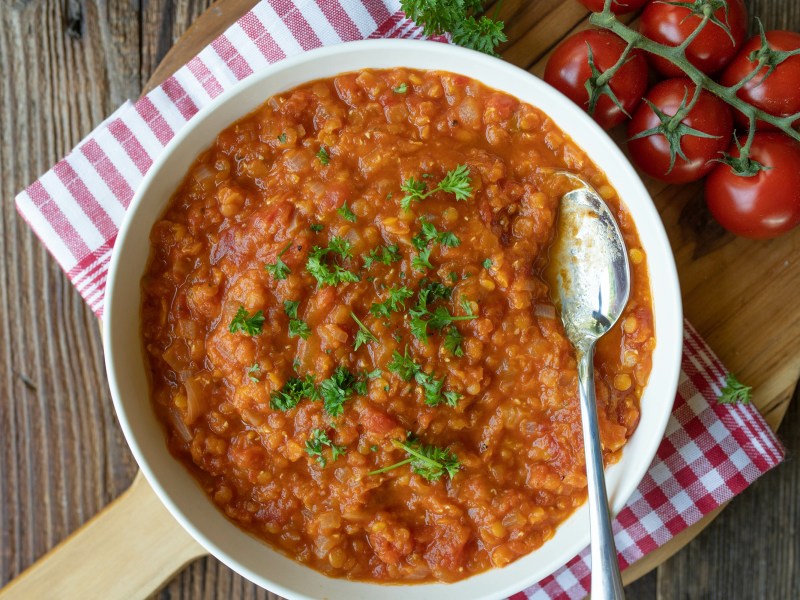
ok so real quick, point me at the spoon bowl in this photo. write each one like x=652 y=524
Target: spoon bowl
x=591 y=280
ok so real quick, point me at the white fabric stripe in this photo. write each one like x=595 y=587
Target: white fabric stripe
x=45 y=232
x=143 y=134
x=192 y=86
x=72 y=210
x=318 y=21
x=97 y=291
x=278 y=29
x=167 y=109
x=119 y=157
x=217 y=66
x=98 y=188
x=242 y=42
x=360 y=15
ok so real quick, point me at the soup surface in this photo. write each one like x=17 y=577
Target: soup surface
x=349 y=337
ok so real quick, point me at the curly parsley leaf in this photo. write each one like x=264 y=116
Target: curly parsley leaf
x=394 y=303
x=292 y=392
x=421 y=261
x=456 y=181
x=403 y=365
x=323 y=156
x=330 y=273
x=316 y=444
x=431 y=462
x=338 y=388
x=459 y=17
x=252 y=371
x=279 y=269
x=383 y=254
x=244 y=322
x=452 y=341
x=347 y=214
x=735 y=392
x=363 y=335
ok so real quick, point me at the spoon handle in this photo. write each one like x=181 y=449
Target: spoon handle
x=606 y=579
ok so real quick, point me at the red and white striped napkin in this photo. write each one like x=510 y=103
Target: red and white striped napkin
x=711 y=452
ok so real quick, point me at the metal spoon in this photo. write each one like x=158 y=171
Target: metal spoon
x=590 y=281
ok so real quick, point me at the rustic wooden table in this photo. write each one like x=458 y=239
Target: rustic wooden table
x=64 y=66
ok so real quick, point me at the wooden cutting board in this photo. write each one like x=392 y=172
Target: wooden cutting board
x=739 y=294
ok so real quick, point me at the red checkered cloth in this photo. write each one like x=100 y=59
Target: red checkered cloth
x=711 y=452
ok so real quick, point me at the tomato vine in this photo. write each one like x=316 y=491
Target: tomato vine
x=764 y=57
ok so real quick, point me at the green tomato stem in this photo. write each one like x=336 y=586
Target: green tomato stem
x=607 y=20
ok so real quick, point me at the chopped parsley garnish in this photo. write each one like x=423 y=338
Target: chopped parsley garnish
x=279 y=269
x=382 y=254
x=456 y=182
x=317 y=227
x=316 y=444
x=452 y=341
x=401 y=89
x=251 y=372
x=282 y=138
x=431 y=462
x=363 y=335
x=487 y=264
x=422 y=318
x=323 y=156
x=403 y=365
x=453 y=276
x=330 y=274
x=422 y=262
x=244 y=322
x=374 y=374
x=429 y=234
x=346 y=213
x=292 y=392
x=297 y=327
x=735 y=392
x=394 y=303
x=338 y=388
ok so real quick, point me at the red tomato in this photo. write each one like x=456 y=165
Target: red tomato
x=618 y=7
x=710 y=51
x=779 y=93
x=652 y=153
x=568 y=70
x=766 y=204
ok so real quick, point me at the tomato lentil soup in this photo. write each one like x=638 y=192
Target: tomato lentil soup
x=350 y=340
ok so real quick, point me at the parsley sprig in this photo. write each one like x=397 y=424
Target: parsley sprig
x=429 y=234
x=422 y=318
x=244 y=322
x=404 y=367
x=394 y=303
x=330 y=273
x=456 y=182
x=382 y=254
x=735 y=392
x=279 y=269
x=363 y=335
x=323 y=156
x=292 y=392
x=461 y=18
x=297 y=327
x=431 y=462
x=347 y=214
x=338 y=388
x=315 y=446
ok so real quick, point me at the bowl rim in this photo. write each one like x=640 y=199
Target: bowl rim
x=669 y=298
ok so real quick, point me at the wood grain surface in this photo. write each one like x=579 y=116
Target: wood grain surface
x=66 y=64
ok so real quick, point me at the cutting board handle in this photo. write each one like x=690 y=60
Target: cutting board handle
x=128 y=551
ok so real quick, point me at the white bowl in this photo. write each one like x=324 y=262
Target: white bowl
x=125 y=363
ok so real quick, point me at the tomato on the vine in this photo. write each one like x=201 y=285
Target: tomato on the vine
x=618 y=7
x=776 y=93
x=715 y=45
x=682 y=151
x=569 y=68
x=766 y=204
